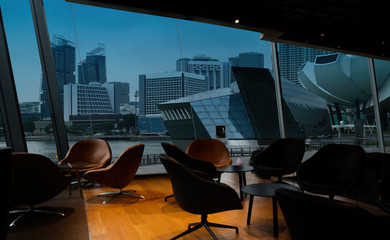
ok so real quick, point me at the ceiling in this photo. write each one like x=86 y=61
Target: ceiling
x=349 y=26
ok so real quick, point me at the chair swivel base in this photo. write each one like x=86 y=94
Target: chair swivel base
x=120 y=193
x=31 y=210
x=204 y=223
x=169 y=196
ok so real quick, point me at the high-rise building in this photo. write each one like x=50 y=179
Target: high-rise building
x=162 y=87
x=29 y=107
x=216 y=76
x=251 y=59
x=118 y=93
x=64 y=53
x=291 y=58
x=81 y=99
x=93 y=67
x=247 y=59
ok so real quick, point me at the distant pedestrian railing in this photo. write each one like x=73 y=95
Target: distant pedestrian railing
x=149 y=159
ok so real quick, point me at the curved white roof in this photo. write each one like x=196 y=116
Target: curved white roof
x=344 y=78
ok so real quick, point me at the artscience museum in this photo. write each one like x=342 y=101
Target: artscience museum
x=342 y=80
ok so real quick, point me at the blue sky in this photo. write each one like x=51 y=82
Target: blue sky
x=135 y=43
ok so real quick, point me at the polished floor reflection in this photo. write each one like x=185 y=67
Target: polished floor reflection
x=153 y=218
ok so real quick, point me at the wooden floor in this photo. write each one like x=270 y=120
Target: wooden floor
x=155 y=219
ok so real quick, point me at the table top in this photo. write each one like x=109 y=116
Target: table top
x=266 y=189
x=235 y=168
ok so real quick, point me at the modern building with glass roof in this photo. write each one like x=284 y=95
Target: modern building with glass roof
x=246 y=112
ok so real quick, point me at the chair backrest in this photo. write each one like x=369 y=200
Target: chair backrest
x=5 y=156
x=34 y=179
x=95 y=151
x=334 y=169
x=188 y=161
x=210 y=150
x=197 y=195
x=284 y=154
x=313 y=217
x=125 y=167
x=382 y=193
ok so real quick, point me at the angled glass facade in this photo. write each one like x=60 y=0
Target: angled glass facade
x=225 y=111
x=247 y=110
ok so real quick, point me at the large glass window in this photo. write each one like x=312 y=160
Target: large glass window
x=2 y=139
x=327 y=97
x=134 y=78
x=27 y=72
x=382 y=73
x=113 y=67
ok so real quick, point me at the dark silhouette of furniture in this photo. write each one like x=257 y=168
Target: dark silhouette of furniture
x=332 y=170
x=190 y=162
x=5 y=156
x=314 y=217
x=201 y=168
x=281 y=157
x=210 y=150
x=240 y=170
x=376 y=166
x=197 y=195
x=383 y=192
x=119 y=174
x=266 y=190
x=34 y=179
x=86 y=155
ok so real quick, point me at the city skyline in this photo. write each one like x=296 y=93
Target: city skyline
x=135 y=43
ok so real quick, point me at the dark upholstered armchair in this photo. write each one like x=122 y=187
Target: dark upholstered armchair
x=119 y=174
x=201 y=168
x=34 y=179
x=199 y=196
x=190 y=162
x=210 y=150
x=382 y=193
x=332 y=170
x=5 y=156
x=282 y=157
x=312 y=217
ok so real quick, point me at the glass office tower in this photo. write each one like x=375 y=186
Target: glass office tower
x=64 y=53
x=93 y=67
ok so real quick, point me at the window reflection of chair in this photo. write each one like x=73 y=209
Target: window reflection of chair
x=211 y=150
x=86 y=155
x=119 y=174
x=313 y=217
x=201 y=168
x=34 y=179
x=282 y=157
x=197 y=195
x=333 y=170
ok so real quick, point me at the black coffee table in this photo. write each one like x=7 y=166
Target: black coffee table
x=241 y=170
x=266 y=190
